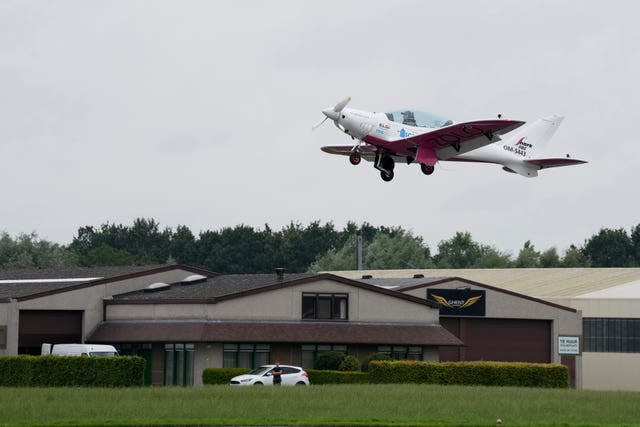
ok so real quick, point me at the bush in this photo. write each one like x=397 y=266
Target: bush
x=329 y=360
x=373 y=356
x=349 y=363
x=67 y=371
x=221 y=375
x=317 y=377
x=516 y=374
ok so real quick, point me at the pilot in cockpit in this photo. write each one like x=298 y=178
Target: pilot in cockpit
x=408 y=118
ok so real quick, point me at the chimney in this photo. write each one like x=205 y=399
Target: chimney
x=280 y=273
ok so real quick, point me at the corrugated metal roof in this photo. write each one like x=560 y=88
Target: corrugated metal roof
x=535 y=282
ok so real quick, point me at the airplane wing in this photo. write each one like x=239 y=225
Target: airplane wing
x=367 y=152
x=448 y=141
x=552 y=163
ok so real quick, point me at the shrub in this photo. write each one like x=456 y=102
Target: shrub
x=349 y=363
x=329 y=360
x=471 y=373
x=337 y=377
x=373 y=356
x=66 y=371
x=221 y=375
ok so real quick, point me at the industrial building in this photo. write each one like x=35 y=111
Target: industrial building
x=607 y=298
x=182 y=319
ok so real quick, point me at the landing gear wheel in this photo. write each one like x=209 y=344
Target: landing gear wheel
x=387 y=163
x=355 y=158
x=386 y=175
x=427 y=170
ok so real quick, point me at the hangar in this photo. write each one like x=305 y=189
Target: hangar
x=607 y=298
x=183 y=319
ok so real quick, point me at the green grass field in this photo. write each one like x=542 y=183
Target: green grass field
x=336 y=405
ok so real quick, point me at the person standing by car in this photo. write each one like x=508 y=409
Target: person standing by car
x=276 y=372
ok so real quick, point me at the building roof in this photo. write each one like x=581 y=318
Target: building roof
x=71 y=272
x=218 y=288
x=536 y=282
x=212 y=287
x=25 y=283
x=281 y=332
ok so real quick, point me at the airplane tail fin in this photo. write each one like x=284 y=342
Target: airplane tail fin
x=533 y=137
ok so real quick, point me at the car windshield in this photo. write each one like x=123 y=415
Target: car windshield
x=260 y=371
x=418 y=118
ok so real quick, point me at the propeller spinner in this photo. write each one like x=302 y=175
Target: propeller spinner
x=333 y=113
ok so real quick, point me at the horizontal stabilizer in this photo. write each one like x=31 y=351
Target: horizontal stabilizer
x=554 y=162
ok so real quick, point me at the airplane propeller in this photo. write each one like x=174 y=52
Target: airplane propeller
x=333 y=113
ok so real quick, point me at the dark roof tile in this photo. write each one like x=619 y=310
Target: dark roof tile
x=272 y=332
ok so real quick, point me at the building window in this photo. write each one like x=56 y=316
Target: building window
x=178 y=364
x=3 y=337
x=310 y=352
x=320 y=306
x=142 y=350
x=611 y=335
x=401 y=352
x=245 y=355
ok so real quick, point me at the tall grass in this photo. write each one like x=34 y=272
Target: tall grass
x=419 y=405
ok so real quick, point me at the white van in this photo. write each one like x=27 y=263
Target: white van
x=91 y=350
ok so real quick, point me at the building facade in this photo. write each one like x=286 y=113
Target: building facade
x=183 y=320
x=607 y=298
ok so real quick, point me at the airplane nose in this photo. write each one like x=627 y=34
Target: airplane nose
x=331 y=113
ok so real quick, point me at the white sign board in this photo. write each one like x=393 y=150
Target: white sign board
x=569 y=344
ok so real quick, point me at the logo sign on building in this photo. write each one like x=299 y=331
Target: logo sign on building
x=569 y=345
x=459 y=302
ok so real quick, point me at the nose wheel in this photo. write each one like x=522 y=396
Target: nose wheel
x=355 y=158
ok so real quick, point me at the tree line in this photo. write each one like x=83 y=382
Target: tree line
x=301 y=248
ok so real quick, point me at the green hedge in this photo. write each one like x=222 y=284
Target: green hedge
x=317 y=376
x=65 y=371
x=471 y=373
x=221 y=375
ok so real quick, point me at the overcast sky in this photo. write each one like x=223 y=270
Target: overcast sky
x=199 y=113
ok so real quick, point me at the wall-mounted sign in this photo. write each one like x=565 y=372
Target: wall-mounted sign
x=459 y=302
x=569 y=344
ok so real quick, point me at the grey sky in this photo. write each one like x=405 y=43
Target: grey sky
x=199 y=113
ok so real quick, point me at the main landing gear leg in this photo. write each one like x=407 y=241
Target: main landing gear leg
x=385 y=164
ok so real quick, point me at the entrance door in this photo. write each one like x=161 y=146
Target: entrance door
x=48 y=326
x=506 y=340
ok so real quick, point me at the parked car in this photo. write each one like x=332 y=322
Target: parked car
x=291 y=375
x=90 y=350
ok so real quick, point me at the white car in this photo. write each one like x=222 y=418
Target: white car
x=291 y=375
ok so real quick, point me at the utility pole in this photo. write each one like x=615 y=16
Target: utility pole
x=359 y=250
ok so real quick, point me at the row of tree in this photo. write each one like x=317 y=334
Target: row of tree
x=298 y=248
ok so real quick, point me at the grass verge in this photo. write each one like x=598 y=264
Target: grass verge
x=328 y=405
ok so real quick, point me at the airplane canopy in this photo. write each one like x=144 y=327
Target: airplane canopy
x=418 y=118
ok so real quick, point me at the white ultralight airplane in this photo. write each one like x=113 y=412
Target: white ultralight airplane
x=411 y=136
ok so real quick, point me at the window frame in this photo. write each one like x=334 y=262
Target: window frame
x=338 y=305
x=253 y=349
x=3 y=337
x=406 y=352
x=179 y=361
x=317 y=349
x=611 y=334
